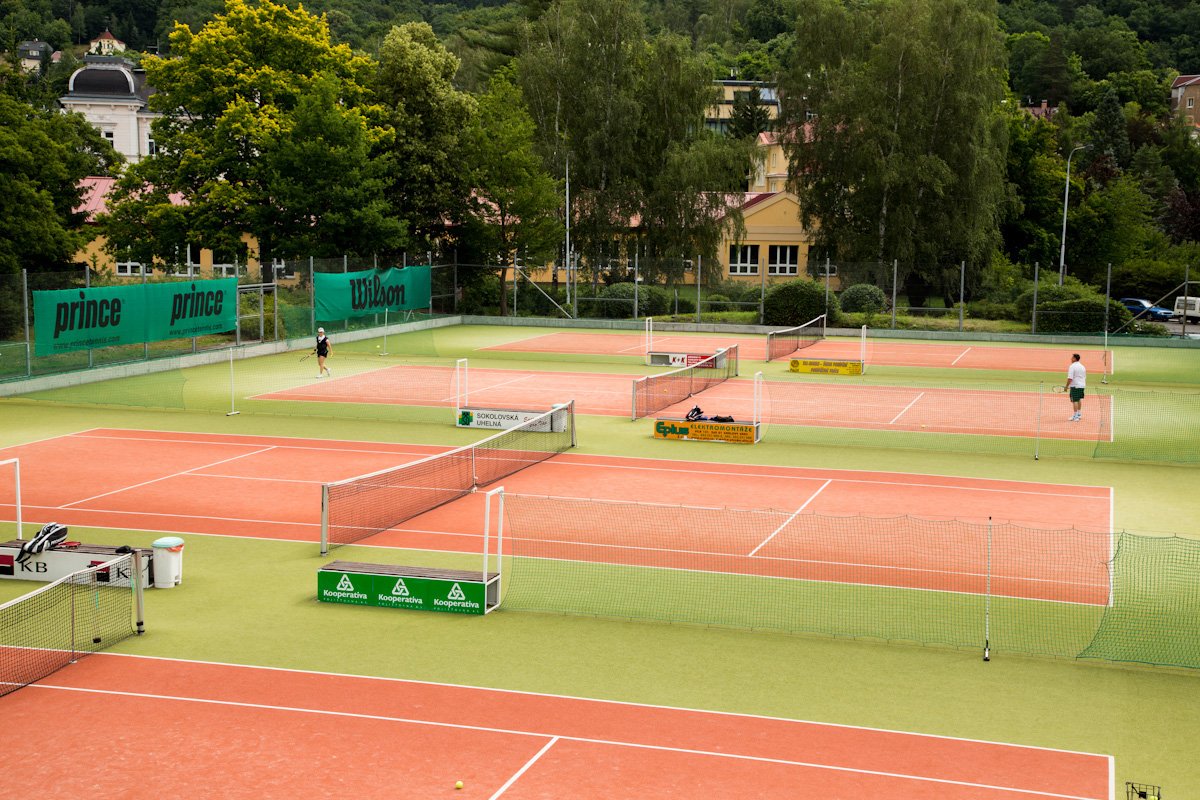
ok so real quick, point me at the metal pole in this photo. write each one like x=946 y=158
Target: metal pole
x=87 y=284
x=1062 y=252
x=698 y=288
x=1033 y=316
x=1037 y=431
x=568 y=246
x=1107 y=302
x=635 y=281
x=762 y=293
x=232 y=403
x=146 y=343
x=987 y=612
x=135 y=580
x=895 y=280
x=385 y=326
x=25 y=303
x=827 y=287
x=962 y=293
x=312 y=296
x=1187 y=291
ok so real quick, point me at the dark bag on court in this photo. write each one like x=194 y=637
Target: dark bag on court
x=50 y=536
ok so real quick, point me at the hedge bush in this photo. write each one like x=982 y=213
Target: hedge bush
x=864 y=297
x=796 y=302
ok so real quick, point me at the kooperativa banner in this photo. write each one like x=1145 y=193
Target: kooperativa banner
x=343 y=295
x=103 y=316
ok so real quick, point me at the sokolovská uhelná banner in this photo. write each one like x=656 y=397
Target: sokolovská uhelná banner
x=342 y=295
x=102 y=316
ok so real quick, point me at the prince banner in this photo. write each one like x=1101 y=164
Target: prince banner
x=342 y=295
x=81 y=319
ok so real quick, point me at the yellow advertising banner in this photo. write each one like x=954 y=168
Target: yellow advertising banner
x=735 y=432
x=822 y=366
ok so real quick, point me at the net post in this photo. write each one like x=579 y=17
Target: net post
x=571 y=416
x=1037 y=431
x=824 y=325
x=633 y=406
x=232 y=403
x=460 y=386
x=135 y=583
x=325 y=519
x=734 y=350
x=987 y=614
x=16 y=462
x=862 y=349
x=757 y=420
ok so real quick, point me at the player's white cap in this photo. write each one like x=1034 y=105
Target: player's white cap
x=320 y=330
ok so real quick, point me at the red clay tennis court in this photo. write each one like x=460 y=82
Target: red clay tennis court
x=198 y=483
x=136 y=723
x=883 y=353
x=965 y=411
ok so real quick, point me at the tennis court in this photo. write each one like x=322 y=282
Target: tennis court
x=881 y=353
x=210 y=729
x=270 y=487
x=967 y=411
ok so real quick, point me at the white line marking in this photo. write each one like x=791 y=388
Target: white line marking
x=167 y=477
x=526 y=766
x=960 y=355
x=906 y=408
x=812 y=497
x=553 y=738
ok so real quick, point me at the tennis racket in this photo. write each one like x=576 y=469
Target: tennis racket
x=1059 y=389
x=307 y=357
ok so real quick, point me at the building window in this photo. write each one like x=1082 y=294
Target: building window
x=283 y=270
x=743 y=259
x=784 y=259
x=110 y=136
x=1191 y=101
x=129 y=268
x=151 y=148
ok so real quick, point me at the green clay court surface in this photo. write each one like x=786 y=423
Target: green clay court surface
x=200 y=729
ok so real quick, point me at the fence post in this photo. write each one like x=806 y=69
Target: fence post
x=28 y=340
x=87 y=284
x=635 y=281
x=1107 y=302
x=895 y=279
x=1033 y=316
x=826 y=287
x=962 y=293
x=698 y=266
x=1187 y=292
x=312 y=297
x=145 y=344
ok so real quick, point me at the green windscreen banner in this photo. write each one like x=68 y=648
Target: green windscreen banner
x=342 y=295
x=103 y=316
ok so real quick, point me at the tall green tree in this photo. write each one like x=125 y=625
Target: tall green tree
x=43 y=157
x=904 y=158
x=515 y=204
x=415 y=83
x=263 y=119
x=627 y=112
x=750 y=116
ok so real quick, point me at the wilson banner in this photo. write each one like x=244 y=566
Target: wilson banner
x=342 y=295
x=103 y=316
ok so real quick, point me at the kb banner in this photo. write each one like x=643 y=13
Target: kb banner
x=342 y=295
x=81 y=319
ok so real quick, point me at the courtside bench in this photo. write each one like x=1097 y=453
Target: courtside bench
x=706 y=431
x=61 y=561
x=454 y=591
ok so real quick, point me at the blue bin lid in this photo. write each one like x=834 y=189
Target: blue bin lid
x=168 y=541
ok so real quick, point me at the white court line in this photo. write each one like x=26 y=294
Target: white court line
x=906 y=408
x=167 y=477
x=526 y=766
x=812 y=497
x=564 y=457
x=960 y=355
x=554 y=738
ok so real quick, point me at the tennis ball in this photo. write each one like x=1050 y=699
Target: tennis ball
x=458 y=785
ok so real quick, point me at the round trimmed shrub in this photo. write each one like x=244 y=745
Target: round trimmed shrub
x=796 y=302
x=863 y=297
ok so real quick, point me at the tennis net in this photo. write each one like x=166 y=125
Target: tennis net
x=653 y=393
x=355 y=508
x=80 y=613
x=788 y=341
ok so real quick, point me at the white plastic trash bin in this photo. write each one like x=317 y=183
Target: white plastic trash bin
x=168 y=562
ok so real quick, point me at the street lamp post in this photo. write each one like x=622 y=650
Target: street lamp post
x=1062 y=253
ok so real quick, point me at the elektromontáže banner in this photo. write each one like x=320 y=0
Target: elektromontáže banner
x=102 y=316
x=342 y=295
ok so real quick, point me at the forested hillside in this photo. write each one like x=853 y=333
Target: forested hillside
x=917 y=144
